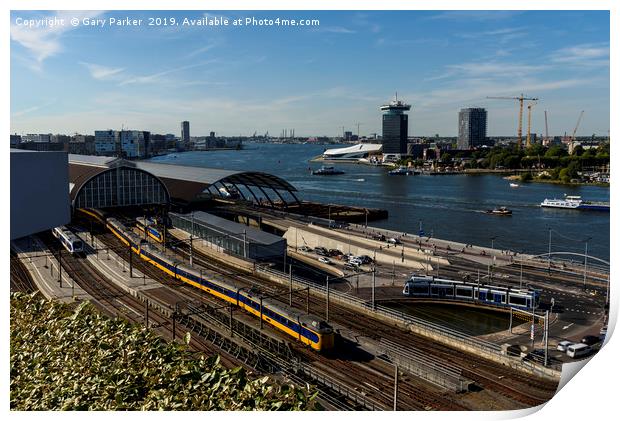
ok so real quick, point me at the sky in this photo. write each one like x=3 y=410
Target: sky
x=317 y=79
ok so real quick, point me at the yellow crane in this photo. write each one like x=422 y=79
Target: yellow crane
x=520 y=99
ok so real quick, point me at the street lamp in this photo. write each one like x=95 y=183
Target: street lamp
x=493 y=243
x=549 y=255
x=585 y=263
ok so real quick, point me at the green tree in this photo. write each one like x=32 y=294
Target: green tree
x=556 y=151
x=526 y=176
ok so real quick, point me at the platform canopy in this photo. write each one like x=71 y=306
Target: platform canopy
x=190 y=184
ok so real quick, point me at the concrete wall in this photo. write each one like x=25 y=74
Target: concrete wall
x=39 y=192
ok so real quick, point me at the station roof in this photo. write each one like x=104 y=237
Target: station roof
x=252 y=235
x=185 y=182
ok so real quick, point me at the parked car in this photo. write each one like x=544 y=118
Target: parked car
x=334 y=252
x=325 y=260
x=365 y=259
x=379 y=237
x=355 y=262
x=305 y=248
x=394 y=241
x=590 y=340
x=563 y=345
x=348 y=256
x=350 y=266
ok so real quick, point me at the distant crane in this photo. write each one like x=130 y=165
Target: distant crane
x=520 y=99
x=571 y=145
x=358 y=130
x=576 y=126
x=528 y=141
x=546 y=142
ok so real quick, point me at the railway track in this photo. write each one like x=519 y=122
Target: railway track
x=349 y=318
x=20 y=278
x=524 y=389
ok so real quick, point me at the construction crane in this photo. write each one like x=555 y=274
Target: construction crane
x=546 y=142
x=576 y=127
x=528 y=141
x=520 y=99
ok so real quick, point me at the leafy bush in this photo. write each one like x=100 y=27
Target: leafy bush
x=73 y=358
x=526 y=176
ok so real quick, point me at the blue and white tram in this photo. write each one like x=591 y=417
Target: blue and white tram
x=68 y=239
x=447 y=289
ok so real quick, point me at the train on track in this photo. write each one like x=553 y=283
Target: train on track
x=493 y=295
x=149 y=226
x=308 y=329
x=68 y=239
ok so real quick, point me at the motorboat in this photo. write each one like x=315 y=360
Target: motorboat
x=327 y=171
x=501 y=211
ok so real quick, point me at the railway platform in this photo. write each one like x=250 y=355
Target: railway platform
x=43 y=266
x=114 y=267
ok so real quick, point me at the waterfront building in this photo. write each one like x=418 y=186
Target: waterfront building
x=105 y=142
x=134 y=143
x=472 y=128
x=185 y=131
x=359 y=151
x=395 y=127
x=38 y=137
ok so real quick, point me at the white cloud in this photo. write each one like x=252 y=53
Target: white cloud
x=200 y=50
x=100 y=72
x=585 y=55
x=160 y=76
x=334 y=30
x=477 y=15
x=43 y=42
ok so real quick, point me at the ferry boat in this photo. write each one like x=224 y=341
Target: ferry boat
x=402 y=171
x=574 y=202
x=327 y=171
x=501 y=211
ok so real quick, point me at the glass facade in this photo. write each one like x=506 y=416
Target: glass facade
x=395 y=132
x=121 y=186
x=472 y=128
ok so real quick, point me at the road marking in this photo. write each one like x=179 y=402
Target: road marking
x=567 y=326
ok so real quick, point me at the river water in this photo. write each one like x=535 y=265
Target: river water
x=449 y=206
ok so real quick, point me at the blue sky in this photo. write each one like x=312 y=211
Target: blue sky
x=238 y=80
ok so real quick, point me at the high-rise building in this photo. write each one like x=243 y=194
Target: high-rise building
x=472 y=128
x=395 y=127
x=185 y=131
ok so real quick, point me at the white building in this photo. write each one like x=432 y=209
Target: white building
x=359 y=151
x=30 y=137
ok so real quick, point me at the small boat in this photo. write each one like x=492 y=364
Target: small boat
x=402 y=171
x=501 y=211
x=327 y=171
x=514 y=185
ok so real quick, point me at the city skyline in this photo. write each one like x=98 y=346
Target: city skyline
x=237 y=81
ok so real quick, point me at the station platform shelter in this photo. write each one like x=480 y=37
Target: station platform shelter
x=231 y=237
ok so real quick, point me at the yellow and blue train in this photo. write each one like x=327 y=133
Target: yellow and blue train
x=308 y=329
x=150 y=227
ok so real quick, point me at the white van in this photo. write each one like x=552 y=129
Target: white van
x=577 y=350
